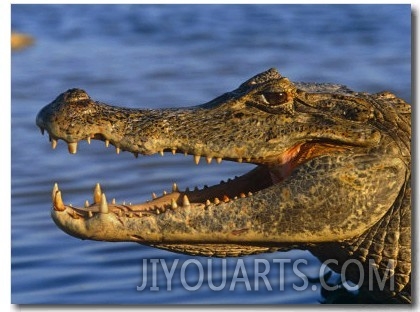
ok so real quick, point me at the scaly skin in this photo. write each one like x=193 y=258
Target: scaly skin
x=332 y=176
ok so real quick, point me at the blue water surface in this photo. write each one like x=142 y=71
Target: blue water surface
x=168 y=56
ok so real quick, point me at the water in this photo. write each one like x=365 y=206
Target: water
x=161 y=56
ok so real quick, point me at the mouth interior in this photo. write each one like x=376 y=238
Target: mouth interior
x=274 y=170
x=255 y=180
x=243 y=186
x=271 y=170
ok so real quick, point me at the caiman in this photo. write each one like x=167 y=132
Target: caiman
x=332 y=176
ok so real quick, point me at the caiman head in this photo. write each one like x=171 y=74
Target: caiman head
x=331 y=165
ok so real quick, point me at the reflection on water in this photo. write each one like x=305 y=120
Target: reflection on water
x=150 y=56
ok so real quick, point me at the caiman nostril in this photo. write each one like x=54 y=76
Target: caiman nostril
x=75 y=95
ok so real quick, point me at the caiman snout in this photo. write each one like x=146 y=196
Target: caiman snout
x=70 y=106
x=72 y=100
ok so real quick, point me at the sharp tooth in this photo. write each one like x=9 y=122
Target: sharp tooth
x=240 y=159
x=225 y=198
x=97 y=193
x=161 y=152
x=103 y=208
x=249 y=194
x=86 y=203
x=75 y=215
x=58 y=202
x=164 y=193
x=117 y=150
x=173 y=151
x=208 y=159
x=90 y=214
x=219 y=160
x=174 y=187
x=185 y=201
x=113 y=201
x=119 y=212
x=185 y=153
x=54 y=191
x=173 y=204
x=154 y=196
x=242 y=195
x=197 y=159
x=106 y=143
x=53 y=143
x=248 y=159
x=72 y=147
x=88 y=139
x=216 y=201
x=208 y=203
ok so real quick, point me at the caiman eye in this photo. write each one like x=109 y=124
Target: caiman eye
x=275 y=98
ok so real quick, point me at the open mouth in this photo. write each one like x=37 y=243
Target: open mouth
x=267 y=173
x=243 y=186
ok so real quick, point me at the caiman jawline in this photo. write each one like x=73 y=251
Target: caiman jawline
x=268 y=172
